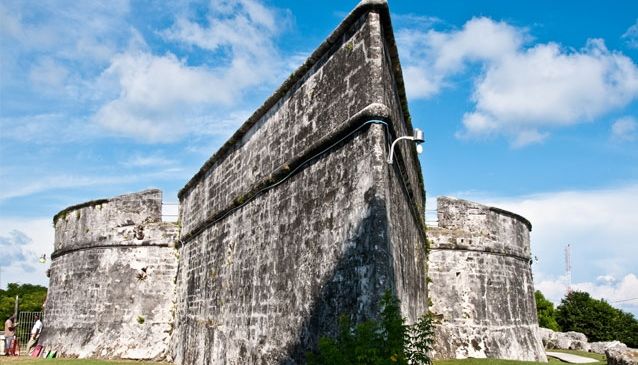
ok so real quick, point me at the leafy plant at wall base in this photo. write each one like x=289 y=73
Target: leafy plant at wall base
x=394 y=330
x=141 y=319
x=384 y=341
x=421 y=336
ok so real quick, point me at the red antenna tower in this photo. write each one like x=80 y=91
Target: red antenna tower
x=568 y=267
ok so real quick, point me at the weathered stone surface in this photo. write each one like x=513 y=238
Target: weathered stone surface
x=111 y=288
x=621 y=356
x=482 y=286
x=296 y=220
x=601 y=347
x=573 y=341
x=564 y=340
x=260 y=284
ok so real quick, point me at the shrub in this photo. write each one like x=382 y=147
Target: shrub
x=597 y=319
x=545 y=311
x=385 y=341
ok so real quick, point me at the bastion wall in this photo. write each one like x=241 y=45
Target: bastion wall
x=111 y=287
x=299 y=219
x=481 y=285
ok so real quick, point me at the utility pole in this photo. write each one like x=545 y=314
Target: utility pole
x=15 y=308
x=568 y=267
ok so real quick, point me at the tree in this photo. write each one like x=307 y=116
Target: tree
x=545 y=312
x=31 y=298
x=597 y=319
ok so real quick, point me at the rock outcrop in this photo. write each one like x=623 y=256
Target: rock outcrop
x=564 y=340
x=601 y=347
x=621 y=356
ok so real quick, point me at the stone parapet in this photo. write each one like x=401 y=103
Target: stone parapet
x=115 y=221
x=465 y=225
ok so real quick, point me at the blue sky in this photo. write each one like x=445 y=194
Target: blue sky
x=528 y=105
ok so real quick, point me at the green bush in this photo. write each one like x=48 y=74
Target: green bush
x=386 y=341
x=546 y=312
x=597 y=319
x=31 y=299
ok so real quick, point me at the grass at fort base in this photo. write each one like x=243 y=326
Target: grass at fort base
x=600 y=358
x=31 y=361
x=24 y=360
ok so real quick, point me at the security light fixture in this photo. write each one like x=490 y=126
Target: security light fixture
x=417 y=137
x=43 y=259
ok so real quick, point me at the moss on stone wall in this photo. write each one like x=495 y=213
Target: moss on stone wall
x=65 y=212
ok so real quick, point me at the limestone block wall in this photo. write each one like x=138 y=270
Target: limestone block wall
x=112 y=279
x=298 y=218
x=481 y=283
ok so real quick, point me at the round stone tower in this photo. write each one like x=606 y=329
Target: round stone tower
x=112 y=279
x=481 y=283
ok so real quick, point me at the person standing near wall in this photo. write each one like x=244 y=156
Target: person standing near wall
x=9 y=334
x=35 y=333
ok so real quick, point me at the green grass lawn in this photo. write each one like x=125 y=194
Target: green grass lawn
x=28 y=361
x=31 y=361
x=24 y=360
x=482 y=362
x=600 y=358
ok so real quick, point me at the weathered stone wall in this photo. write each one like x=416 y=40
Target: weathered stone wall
x=262 y=276
x=112 y=279
x=295 y=221
x=480 y=267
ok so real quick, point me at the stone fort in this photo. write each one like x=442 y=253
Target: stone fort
x=296 y=220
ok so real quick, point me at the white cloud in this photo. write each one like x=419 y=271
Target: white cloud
x=419 y=83
x=48 y=73
x=631 y=35
x=520 y=92
x=48 y=128
x=158 y=96
x=244 y=25
x=606 y=279
x=599 y=225
x=481 y=39
x=163 y=98
x=625 y=129
x=149 y=161
x=83 y=34
x=430 y=57
x=10 y=188
x=544 y=87
x=615 y=292
x=113 y=80
x=23 y=241
x=408 y=20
